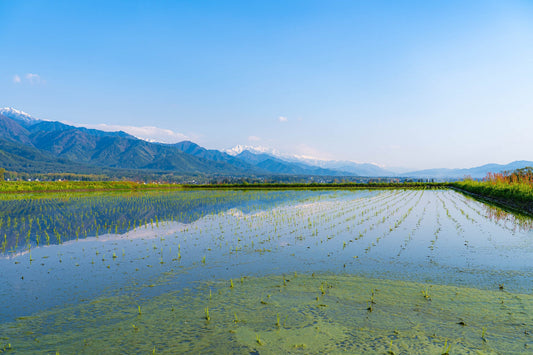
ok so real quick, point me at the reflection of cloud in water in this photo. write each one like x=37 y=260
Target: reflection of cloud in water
x=305 y=206
x=145 y=232
x=15 y=255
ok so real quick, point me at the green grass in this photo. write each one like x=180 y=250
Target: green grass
x=60 y=186
x=347 y=185
x=520 y=193
x=54 y=186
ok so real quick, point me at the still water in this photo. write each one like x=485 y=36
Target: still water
x=264 y=272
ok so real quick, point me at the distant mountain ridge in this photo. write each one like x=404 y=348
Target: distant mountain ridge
x=475 y=173
x=211 y=154
x=28 y=144
x=280 y=166
x=96 y=148
x=346 y=168
x=37 y=144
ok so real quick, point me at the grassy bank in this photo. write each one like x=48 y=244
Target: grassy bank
x=349 y=185
x=517 y=195
x=60 y=186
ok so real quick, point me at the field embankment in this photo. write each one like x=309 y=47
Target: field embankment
x=61 y=186
x=348 y=185
x=515 y=194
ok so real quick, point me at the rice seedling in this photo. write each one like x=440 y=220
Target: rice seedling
x=425 y=293
x=206 y=314
x=390 y=351
x=446 y=348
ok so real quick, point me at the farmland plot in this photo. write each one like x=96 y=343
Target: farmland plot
x=375 y=271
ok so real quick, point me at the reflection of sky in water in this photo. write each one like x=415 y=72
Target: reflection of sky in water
x=35 y=221
x=428 y=236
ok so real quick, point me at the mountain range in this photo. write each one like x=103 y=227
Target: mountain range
x=31 y=145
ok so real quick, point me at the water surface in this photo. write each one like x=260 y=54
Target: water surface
x=88 y=261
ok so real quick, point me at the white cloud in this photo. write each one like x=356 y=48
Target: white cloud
x=304 y=151
x=282 y=119
x=16 y=79
x=34 y=78
x=254 y=138
x=147 y=133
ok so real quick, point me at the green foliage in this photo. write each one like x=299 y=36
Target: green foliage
x=58 y=186
x=513 y=188
x=67 y=185
x=345 y=185
x=517 y=192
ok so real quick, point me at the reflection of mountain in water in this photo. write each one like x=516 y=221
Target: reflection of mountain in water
x=29 y=222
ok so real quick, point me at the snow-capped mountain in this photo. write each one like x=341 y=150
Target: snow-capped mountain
x=18 y=115
x=360 y=169
x=238 y=149
x=291 y=158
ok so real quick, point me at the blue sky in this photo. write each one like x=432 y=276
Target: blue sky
x=416 y=84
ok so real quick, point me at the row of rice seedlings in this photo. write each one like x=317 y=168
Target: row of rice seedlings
x=508 y=221
x=398 y=222
x=458 y=226
x=93 y=215
x=339 y=226
x=437 y=230
x=415 y=229
x=460 y=230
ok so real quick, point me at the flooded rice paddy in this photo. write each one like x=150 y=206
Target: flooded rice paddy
x=373 y=271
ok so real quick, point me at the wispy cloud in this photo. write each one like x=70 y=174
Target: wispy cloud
x=30 y=78
x=282 y=119
x=34 y=79
x=254 y=138
x=307 y=152
x=147 y=133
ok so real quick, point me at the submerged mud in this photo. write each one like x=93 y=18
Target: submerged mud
x=288 y=314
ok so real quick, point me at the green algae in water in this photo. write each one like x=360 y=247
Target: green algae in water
x=288 y=315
